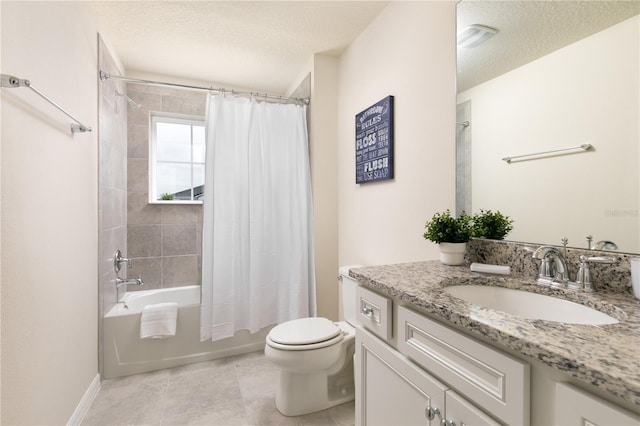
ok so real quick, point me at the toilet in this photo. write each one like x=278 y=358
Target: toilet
x=315 y=357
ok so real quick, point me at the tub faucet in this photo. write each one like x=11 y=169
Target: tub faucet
x=134 y=281
x=553 y=269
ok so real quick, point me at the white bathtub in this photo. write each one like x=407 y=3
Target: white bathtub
x=125 y=353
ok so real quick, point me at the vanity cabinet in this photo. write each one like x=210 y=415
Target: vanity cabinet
x=493 y=380
x=391 y=390
x=409 y=360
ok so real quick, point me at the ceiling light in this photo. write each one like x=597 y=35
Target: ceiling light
x=474 y=35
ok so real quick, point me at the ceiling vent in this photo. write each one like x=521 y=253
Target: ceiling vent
x=474 y=35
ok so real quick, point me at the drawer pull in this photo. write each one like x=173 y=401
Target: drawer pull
x=367 y=311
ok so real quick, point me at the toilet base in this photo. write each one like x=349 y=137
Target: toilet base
x=299 y=394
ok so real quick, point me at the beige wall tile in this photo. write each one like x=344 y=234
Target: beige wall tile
x=149 y=269
x=140 y=212
x=179 y=271
x=178 y=240
x=138 y=175
x=143 y=241
x=180 y=213
x=138 y=141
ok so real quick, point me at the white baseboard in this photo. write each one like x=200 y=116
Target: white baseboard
x=85 y=403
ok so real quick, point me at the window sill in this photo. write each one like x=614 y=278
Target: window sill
x=186 y=202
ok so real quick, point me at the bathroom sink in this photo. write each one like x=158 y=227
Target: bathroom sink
x=529 y=305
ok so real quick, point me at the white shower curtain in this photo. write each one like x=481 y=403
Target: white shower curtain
x=257 y=248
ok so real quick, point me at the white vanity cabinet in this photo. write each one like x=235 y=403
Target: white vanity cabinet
x=495 y=381
x=408 y=362
x=391 y=389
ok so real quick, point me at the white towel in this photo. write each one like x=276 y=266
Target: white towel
x=158 y=321
x=490 y=269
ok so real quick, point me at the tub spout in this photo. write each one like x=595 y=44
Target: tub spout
x=134 y=281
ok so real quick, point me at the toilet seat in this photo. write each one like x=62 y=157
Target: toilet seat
x=304 y=334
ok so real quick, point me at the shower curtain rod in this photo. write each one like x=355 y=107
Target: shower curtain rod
x=304 y=101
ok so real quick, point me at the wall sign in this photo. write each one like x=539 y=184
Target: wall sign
x=374 y=142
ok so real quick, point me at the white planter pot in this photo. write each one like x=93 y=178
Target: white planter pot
x=452 y=253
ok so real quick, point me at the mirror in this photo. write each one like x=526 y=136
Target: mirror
x=557 y=75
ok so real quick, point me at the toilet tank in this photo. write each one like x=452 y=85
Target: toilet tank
x=347 y=294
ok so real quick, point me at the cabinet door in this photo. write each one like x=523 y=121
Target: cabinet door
x=575 y=407
x=390 y=390
x=462 y=413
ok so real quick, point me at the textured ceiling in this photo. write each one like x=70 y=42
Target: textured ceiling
x=260 y=45
x=529 y=30
x=263 y=45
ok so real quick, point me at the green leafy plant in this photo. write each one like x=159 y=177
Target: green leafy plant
x=444 y=228
x=495 y=226
x=166 y=196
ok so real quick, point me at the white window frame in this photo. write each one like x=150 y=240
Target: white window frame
x=164 y=117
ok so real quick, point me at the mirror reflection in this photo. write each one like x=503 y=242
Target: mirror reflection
x=555 y=75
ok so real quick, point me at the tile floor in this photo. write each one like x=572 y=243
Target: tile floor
x=237 y=390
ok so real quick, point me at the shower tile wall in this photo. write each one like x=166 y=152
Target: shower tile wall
x=164 y=240
x=112 y=204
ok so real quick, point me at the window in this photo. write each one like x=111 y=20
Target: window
x=176 y=160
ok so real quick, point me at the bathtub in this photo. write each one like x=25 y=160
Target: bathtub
x=125 y=353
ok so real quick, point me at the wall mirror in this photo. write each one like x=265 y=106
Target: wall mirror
x=557 y=74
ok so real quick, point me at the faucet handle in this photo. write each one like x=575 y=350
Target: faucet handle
x=583 y=277
x=118 y=260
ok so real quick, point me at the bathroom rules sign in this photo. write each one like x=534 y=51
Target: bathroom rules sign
x=374 y=142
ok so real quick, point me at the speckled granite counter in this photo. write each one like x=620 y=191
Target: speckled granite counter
x=606 y=356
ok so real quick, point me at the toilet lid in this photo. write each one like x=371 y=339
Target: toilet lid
x=304 y=331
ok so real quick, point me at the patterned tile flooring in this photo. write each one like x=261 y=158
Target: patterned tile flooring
x=237 y=390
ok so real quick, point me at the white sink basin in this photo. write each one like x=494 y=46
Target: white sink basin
x=529 y=305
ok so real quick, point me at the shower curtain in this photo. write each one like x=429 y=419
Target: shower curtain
x=257 y=248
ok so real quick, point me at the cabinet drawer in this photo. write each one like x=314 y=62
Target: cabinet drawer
x=373 y=311
x=494 y=381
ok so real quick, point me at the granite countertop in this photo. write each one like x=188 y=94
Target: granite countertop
x=606 y=356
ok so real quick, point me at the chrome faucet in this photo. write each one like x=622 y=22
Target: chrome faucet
x=554 y=271
x=118 y=260
x=553 y=266
x=134 y=281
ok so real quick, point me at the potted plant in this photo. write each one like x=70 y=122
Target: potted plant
x=451 y=234
x=488 y=224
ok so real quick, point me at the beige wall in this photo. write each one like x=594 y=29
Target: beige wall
x=587 y=92
x=324 y=180
x=408 y=52
x=49 y=212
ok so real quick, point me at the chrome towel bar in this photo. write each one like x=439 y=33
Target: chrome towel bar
x=583 y=147
x=11 y=82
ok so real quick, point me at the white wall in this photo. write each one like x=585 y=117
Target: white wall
x=587 y=92
x=408 y=52
x=49 y=212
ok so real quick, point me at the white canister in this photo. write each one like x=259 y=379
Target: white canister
x=635 y=276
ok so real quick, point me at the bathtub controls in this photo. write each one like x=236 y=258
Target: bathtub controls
x=118 y=260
